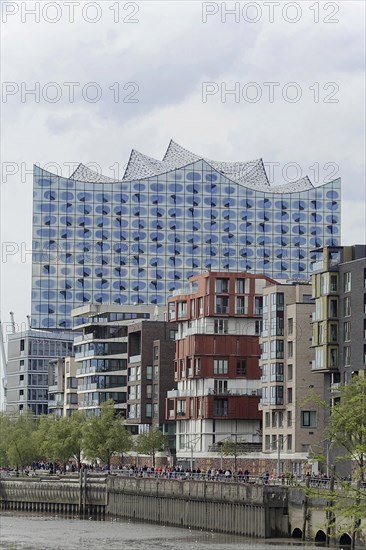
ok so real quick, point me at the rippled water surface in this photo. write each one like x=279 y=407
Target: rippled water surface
x=40 y=532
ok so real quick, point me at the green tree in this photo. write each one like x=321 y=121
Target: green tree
x=19 y=442
x=347 y=433
x=151 y=442
x=105 y=435
x=347 y=430
x=60 y=438
x=233 y=448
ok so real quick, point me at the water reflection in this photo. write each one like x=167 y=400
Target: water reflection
x=27 y=531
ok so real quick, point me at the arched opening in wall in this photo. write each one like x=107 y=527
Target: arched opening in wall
x=345 y=540
x=296 y=533
x=320 y=536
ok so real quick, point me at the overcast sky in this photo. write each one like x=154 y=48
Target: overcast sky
x=162 y=70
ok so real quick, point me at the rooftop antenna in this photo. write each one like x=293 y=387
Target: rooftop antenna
x=29 y=322
x=12 y=322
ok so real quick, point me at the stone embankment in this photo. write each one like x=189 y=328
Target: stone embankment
x=242 y=508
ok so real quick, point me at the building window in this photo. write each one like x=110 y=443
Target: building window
x=274 y=419
x=333 y=283
x=276 y=349
x=220 y=407
x=172 y=334
x=290 y=326
x=290 y=349
x=333 y=308
x=264 y=399
x=21 y=377
x=319 y=358
x=276 y=395
x=289 y=372
x=155 y=410
x=333 y=358
x=347 y=331
x=347 y=356
x=222 y=285
x=289 y=395
x=264 y=372
x=193 y=308
x=156 y=353
x=222 y=304
x=22 y=345
x=182 y=310
x=277 y=300
x=347 y=282
x=241 y=367
x=156 y=372
x=220 y=386
x=264 y=350
x=21 y=392
x=289 y=419
x=280 y=419
x=149 y=372
x=289 y=442
x=197 y=365
x=308 y=419
x=241 y=305
x=267 y=443
x=267 y=420
x=240 y=286
x=148 y=410
x=181 y=407
x=221 y=326
x=258 y=305
x=333 y=332
x=149 y=391
x=276 y=372
x=347 y=306
x=220 y=366
x=324 y=288
x=320 y=333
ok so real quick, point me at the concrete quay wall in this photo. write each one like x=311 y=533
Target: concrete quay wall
x=235 y=508
x=247 y=510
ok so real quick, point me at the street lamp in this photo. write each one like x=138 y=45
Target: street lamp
x=280 y=441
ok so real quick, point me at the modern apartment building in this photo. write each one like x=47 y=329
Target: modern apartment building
x=293 y=423
x=151 y=348
x=135 y=241
x=339 y=321
x=216 y=361
x=101 y=353
x=62 y=386
x=29 y=353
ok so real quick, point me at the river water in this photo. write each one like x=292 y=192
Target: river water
x=27 y=531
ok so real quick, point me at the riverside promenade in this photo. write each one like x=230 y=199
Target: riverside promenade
x=242 y=507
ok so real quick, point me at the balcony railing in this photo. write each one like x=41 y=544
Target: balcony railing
x=134 y=359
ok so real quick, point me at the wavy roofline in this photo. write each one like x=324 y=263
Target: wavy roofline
x=270 y=190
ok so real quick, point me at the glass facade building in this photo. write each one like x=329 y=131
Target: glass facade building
x=135 y=241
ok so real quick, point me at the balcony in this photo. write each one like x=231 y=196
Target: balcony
x=239 y=311
x=224 y=309
x=134 y=359
x=84 y=338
